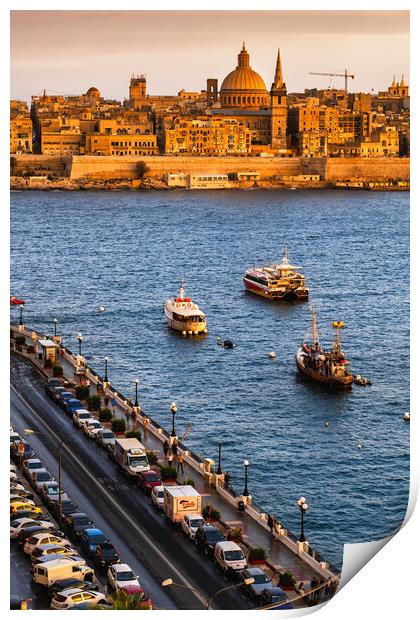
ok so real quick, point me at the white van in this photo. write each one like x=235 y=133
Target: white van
x=64 y=568
x=229 y=556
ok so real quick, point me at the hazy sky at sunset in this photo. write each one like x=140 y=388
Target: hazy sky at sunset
x=68 y=51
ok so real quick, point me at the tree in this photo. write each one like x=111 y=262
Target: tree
x=141 y=169
x=124 y=600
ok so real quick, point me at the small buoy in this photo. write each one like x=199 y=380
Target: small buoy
x=359 y=445
x=190 y=332
x=205 y=330
x=272 y=355
x=326 y=424
x=406 y=416
x=184 y=333
x=217 y=338
x=101 y=308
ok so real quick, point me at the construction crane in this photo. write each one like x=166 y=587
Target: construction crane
x=346 y=75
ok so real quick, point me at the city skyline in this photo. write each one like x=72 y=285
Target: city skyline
x=181 y=49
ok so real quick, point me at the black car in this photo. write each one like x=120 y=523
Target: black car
x=22 y=514
x=106 y=554
x=27 y=532
x=56 y=392
x=71 y=582
x=67 y=507
x=275 y=596
x=206 y=538
x=52 y=383
x=77 y=522
x=64 y=397
x=28 y=452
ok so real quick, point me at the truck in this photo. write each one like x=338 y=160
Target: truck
x=131 y=455
x=179 y=501
x=50 y=572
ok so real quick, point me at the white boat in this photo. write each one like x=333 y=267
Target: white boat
x=184 y=315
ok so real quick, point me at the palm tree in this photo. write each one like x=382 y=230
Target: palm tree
x=124 y=600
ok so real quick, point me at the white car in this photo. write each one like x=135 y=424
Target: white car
x=92 y=427
x=18 y=524
x=13 y=477
x=120 y=576
x=191 y=523
x=69 y=598
x=51 y=491
x=44 y=539
x=14 y=436
x=16 y=486
x=81 y=414
x=157 y=496
x=31 y=465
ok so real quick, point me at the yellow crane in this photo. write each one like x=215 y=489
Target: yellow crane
x=345 y=74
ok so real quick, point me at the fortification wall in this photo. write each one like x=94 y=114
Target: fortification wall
x=41 y=164
x=367 y=169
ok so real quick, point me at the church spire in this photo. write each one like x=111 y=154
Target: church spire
x=278 y=77
x=394 y=83
x=402 y=83
x=243 y=57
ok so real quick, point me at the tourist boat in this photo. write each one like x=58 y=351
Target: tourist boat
x=329 y=368
x=184 y=315
x=14 y=301
x=279 y=282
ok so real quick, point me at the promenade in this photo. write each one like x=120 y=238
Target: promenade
x=283 y=551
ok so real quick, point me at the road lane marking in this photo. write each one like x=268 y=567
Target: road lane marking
x=112 y=500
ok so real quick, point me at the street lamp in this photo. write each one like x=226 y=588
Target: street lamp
x=207 y=602
x=246 y=492
x=55 y=327
x=136 y=383
x=173 y=411
x=21 y=315
x=60 y=442
x=106 y=369
x=80 y=339
x=303 y=507
x=219 y=466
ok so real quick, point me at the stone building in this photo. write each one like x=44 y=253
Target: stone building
x=20 y=128
x=207 y=136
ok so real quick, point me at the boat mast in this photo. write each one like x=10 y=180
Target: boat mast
x=338 y=325
x=315 y=342
x=286 y=255
x=181 y=287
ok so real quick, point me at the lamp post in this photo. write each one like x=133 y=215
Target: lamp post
x=21 y=315
x=106 y=369
x=246 y=492
x=173 y=411
x=303 y=507
x=136 y=383
x=80 y=339
x=208 y=601
x=55 y=327
x=219 y=466
x=60 y=442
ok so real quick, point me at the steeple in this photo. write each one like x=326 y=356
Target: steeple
x=402 y=83
x=394 y=83
x=278 y=76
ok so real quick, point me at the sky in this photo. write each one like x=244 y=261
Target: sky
x=69 y=51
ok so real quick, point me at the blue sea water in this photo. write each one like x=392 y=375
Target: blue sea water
x=126 y=250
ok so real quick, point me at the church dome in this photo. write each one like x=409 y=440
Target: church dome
x=93 y=93
x=243 y=87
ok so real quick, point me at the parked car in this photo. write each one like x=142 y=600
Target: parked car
x=51 y=491
x=64 y=397
x=206 y=538
x=105 y=437
x=28 y=532
x=91 y=428
x=16 y=486
x=91 y=538
x=229 y=557
x=273 y=596
x=77 y=522
x=190 y=524
x=147 y=480
x=66 y=599
x=157 y=496
x=56 y=392
x=261 y=582
x=81 y=414
x=30 y=465
x=71 y=583
x=67 y=507
x=18 y=494
x=18 y=524
x=71 y=405
x=71 y=559
x=44 y=538
x=52 y=383
x=21 y=514
x=120 y=576
x=106 y=554
x=13 y=468
x=14 y=437
x=51 y=549
x=28 y=504
x=28 y=451
x=40 y=476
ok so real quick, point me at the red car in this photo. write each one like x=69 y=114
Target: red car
x=145 y=602
x=148 y=480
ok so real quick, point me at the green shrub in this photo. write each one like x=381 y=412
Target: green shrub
x=210 y=512
x=94 y=402
x=48 y=363
x=118 y=425
x=287 y=580
x=20 y=340
x=135 y=434
x=105 y=414
x=167 y=472
x=257 y=553
x=190 y=482
x=235 y=533
x=57 y=370
x=82 y=392
x=152 y=457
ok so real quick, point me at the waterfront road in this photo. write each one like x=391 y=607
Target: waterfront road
x=154 y=548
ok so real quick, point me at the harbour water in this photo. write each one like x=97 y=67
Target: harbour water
x=73 y=251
